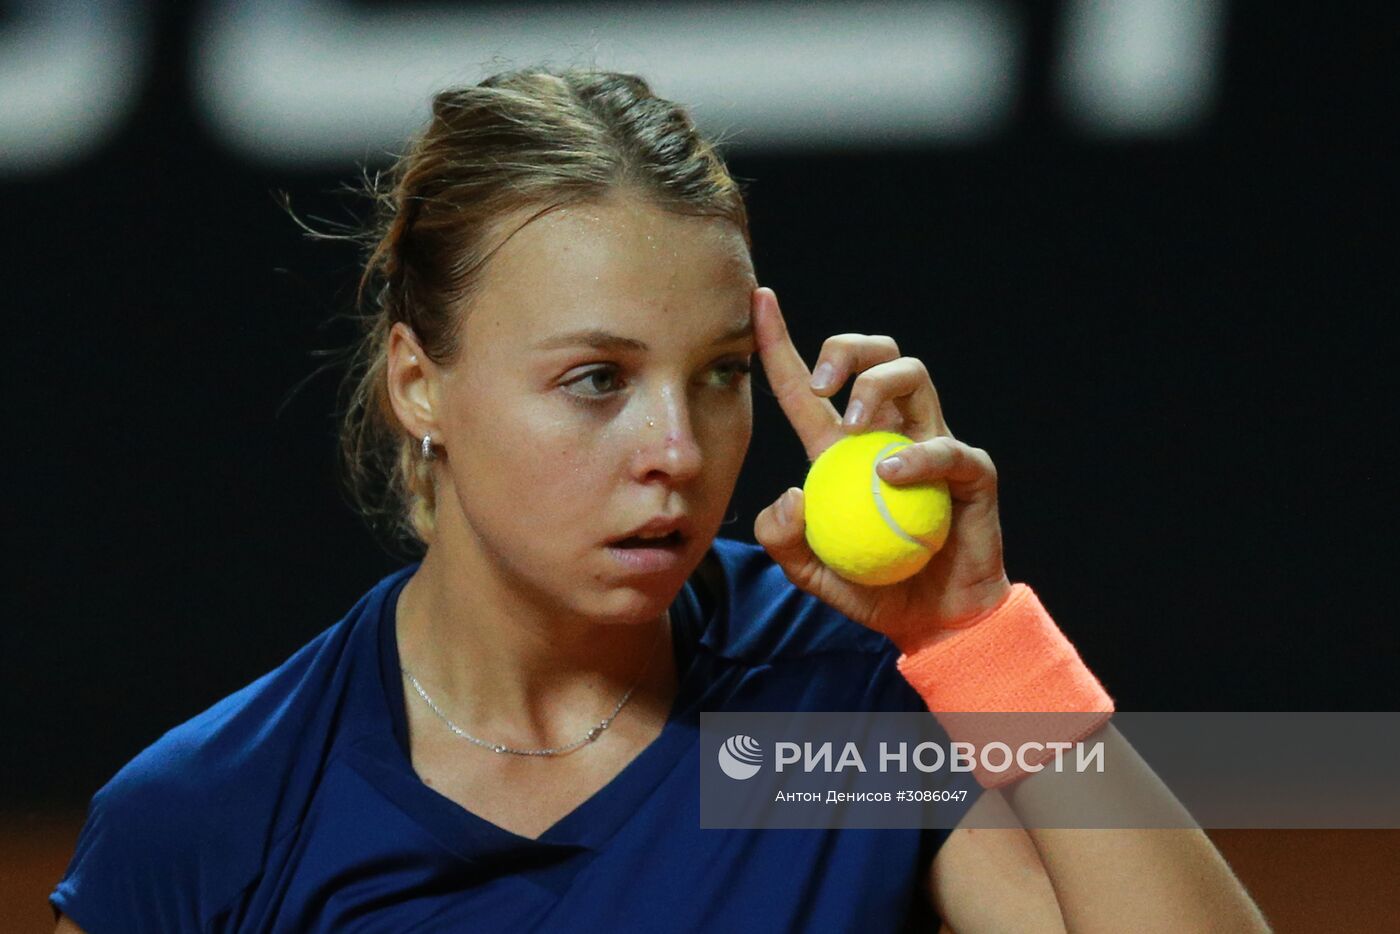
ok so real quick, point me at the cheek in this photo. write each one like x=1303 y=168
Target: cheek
x=530 y=488
x=725 y=438
x=509 y=442
x=547 y=457
x=555 y=449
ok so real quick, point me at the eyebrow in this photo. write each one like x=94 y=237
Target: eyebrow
x=605 y=340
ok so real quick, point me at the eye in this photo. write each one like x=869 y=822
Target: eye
x=592 y=378
x=603 y=380
x=736 y=370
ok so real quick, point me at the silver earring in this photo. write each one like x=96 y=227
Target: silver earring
x=427 y=447
x=651 y=424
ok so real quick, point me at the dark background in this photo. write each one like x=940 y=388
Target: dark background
x=1175 y=347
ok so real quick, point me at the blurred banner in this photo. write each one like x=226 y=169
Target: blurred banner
x=316 y=82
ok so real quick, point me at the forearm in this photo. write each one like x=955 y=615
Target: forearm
x=1011 y=677
x=1117 y=880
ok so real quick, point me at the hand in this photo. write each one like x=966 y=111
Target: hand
x=965 y=579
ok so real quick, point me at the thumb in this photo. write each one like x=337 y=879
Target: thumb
x=781 y=530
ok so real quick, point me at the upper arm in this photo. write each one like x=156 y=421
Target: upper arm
x=993 y=879
x=139 y=863
x=66 y=926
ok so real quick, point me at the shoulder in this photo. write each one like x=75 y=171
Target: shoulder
x=240 y=740
x=764 y=617
x=817 y=657
x=173 y=834
x=182 y=827
x=811 y=656
x=197 y=761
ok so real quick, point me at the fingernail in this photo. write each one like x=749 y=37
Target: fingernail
x=822 y=377
x=854 y=411
x=891 y=466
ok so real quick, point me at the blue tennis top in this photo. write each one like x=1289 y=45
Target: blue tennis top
x=292 y=804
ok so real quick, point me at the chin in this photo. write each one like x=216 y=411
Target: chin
x=639 y=601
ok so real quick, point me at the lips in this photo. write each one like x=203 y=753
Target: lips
x=657 y=546
x=657 y=532
x=670 y=540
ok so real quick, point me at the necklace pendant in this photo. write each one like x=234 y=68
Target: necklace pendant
x=498 y=748
x=593 y=734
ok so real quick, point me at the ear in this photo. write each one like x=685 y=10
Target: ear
x=413 y=383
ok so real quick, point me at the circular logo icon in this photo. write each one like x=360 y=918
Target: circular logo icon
x=740 y=757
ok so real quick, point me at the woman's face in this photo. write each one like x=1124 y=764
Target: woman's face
x=602 y=382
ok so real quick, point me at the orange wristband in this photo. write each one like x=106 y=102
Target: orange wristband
x=1013 y=660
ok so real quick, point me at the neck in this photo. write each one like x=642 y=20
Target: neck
x=511 y=670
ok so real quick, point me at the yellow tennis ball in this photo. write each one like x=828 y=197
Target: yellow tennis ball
x=866 y=530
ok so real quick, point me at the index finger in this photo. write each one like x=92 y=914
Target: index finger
x=814 y=418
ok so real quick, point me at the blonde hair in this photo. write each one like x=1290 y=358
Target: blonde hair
x=525 y=139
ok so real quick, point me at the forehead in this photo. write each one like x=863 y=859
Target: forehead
x=621 y=264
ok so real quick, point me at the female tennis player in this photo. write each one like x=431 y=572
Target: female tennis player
x=553 y=392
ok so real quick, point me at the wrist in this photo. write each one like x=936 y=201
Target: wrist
x=1014 y=660
x=989 y=598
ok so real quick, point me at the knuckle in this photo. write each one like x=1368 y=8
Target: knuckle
x=838 y=342
x=984 y=460
x=799 y=573
x=912 y=371
x=868 y=383
x=888 y=417
x=881 y=346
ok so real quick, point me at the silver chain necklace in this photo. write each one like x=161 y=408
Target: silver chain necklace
x=588 y=737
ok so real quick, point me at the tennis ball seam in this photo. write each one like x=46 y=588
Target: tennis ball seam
x=880 y=505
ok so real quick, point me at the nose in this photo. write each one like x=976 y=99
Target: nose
x=668 y=443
